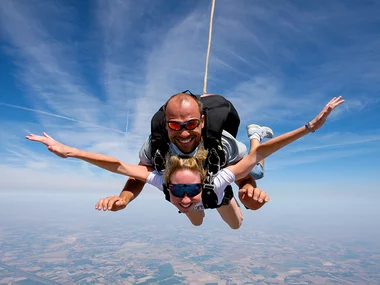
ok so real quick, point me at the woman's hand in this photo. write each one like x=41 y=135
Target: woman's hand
x=320 y=119
x=55 y=147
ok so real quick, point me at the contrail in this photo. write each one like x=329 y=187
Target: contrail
x=59 y=116
x=126 y=126
x=348 y=143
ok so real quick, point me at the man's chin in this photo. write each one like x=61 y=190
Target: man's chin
x=186 y=148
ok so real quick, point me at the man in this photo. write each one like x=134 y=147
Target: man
x=185 y=109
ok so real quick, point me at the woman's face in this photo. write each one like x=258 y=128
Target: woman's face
x=185 y=176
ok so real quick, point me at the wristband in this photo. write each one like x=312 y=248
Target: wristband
x=309 y=127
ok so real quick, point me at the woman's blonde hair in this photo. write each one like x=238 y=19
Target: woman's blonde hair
x=195 y=163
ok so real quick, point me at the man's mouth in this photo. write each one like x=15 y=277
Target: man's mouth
x=185 y=141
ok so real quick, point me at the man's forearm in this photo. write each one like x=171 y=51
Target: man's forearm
x=246 y=180
x=132 y=189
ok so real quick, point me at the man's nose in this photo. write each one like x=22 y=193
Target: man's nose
x=184 y=133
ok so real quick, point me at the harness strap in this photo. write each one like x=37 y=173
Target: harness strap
x=166 y=192
x=158 y=161
x=209 y=197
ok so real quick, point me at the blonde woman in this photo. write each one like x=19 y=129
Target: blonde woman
x=183 y=177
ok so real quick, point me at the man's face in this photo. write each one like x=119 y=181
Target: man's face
x=183 y=111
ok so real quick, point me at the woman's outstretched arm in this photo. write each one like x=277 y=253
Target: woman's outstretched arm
x=255 y=155
x=103 y=161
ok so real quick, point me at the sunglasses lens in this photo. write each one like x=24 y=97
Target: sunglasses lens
x=179 y=190
x=191 y=125
x=194 y=190
x=174 y=126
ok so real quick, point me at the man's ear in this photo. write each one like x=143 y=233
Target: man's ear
x=202 y=121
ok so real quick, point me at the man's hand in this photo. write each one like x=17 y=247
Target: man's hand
x=252 y=198
x=130 y=191
x=111 y=203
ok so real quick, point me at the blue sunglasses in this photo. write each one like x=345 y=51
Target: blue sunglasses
x=179 y=190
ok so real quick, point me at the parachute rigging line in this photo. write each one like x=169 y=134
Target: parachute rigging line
x=208 y=47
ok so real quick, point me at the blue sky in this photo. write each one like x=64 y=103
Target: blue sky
x=92 y=73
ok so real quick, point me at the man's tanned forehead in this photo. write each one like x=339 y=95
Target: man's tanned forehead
x=181 y=97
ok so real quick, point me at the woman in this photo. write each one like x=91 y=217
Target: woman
x=184 y=177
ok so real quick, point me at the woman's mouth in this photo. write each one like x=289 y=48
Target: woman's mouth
x=185 y=206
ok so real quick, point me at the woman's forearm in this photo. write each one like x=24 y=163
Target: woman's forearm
x=258 y=153
x=273 y=145
x=279 y=142
x=106 y=162
x=103 y=161
x=110 y=163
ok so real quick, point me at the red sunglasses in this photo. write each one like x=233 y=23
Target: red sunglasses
x=189 y=125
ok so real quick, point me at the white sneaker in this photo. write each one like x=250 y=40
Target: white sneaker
x=258 y=132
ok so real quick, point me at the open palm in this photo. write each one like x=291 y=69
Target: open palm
x=55 y=147
x=320 y=119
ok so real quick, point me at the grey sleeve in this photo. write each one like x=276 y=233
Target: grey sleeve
x=234 y=149
x=145 y=152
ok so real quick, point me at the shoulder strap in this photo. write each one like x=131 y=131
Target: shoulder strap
x=159 y=140
x=220 y=114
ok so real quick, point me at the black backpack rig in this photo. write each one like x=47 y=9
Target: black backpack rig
x=220 y=114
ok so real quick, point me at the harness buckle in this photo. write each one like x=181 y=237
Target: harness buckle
x=158 y=161
x=208 y=188
x=213 y=161
x=209 y=198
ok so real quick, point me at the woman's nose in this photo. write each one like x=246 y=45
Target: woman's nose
x=186 y=199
